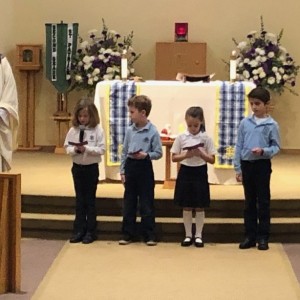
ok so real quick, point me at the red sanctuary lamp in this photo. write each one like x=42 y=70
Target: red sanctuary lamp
x=181 y=32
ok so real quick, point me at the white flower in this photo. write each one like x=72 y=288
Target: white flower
x=87 y=59
x=263 y=59
x=108 y=51
x=87 y=66
x=271 y=54
x=271 y=37
x=96 y=71
x=90 y=81
x=271 y=80
x=78 y=78
x=246 y=74
x=262 y=74
x=242 y=45
x=83 y=44
x=253 y=63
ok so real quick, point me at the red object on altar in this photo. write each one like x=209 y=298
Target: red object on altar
x=181 y=32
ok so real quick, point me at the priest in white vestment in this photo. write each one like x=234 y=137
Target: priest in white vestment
x=9 y=117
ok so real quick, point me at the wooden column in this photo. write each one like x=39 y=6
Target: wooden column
x=28 y=120
x=169 y=183
x=10 y=233
x=29 y=61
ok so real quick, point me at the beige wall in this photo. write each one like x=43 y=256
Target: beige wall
x=214 y=22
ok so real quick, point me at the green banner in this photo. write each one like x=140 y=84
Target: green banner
x=61 y=46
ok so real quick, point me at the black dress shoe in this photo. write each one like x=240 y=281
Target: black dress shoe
x=188 y=241
x=263 y=245
x=77 y=237
x=88 y=238
x=199 y=243
x=247 y=243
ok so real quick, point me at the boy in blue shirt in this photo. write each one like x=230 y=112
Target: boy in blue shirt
x=257 y=142
x=141 y=145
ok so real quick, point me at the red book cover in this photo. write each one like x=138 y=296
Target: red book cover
x=194 y=146
x=135 y=152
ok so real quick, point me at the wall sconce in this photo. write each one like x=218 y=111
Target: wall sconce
x=181 y=32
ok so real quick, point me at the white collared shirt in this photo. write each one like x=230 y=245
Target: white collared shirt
x=187 y=139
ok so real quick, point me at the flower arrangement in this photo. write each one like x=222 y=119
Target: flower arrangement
x=100 y=58
x=262 y=60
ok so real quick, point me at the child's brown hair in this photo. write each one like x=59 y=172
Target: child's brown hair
x=91 y=108
x=141 y=102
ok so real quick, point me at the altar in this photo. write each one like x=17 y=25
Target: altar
x=170 y=100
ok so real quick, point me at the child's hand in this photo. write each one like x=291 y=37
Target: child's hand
x=123 y=178
x=200 y=153
x=140 y=155
x=80 y=149
x=257 y=151
x=189 y=153
x=239 y=177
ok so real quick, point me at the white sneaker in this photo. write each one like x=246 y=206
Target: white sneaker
x=151 y=243
x=125 y=241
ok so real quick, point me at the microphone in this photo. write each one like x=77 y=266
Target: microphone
x=81 y=133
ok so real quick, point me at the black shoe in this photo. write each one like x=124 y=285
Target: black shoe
x=77 y=237
x=188 y=241
x=88 y=238
x=198 y=242
x=263 y=245
x=247 y=243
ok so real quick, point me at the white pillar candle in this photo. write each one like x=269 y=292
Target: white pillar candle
x=232 y=72
x=124 y=66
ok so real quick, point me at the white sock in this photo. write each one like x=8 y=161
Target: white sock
x=187 y=222
x=199 y=220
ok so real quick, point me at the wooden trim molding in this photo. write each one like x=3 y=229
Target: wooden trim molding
x=10 y=233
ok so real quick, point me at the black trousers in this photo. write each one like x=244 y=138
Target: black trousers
x=139 y=193
x=85 y=179
x=256 y=182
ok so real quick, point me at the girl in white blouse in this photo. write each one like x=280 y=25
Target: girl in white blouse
x=193 y=149
x=85 y=144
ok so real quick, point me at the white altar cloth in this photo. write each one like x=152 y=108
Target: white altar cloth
x=170 y=100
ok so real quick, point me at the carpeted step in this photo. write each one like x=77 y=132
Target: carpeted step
x=222 y=230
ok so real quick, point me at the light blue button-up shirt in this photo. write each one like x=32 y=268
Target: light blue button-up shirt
x=146 y=139
x=251 y=135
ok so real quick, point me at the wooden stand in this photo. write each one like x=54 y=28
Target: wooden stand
x=179 y=57
x=169 y=183
x=63 y=125
x=10 y=233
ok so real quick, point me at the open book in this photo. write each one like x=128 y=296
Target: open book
x=78 y=143
x=193 y=147
x=135 y=152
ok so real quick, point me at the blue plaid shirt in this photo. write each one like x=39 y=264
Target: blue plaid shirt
x=251 y=135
